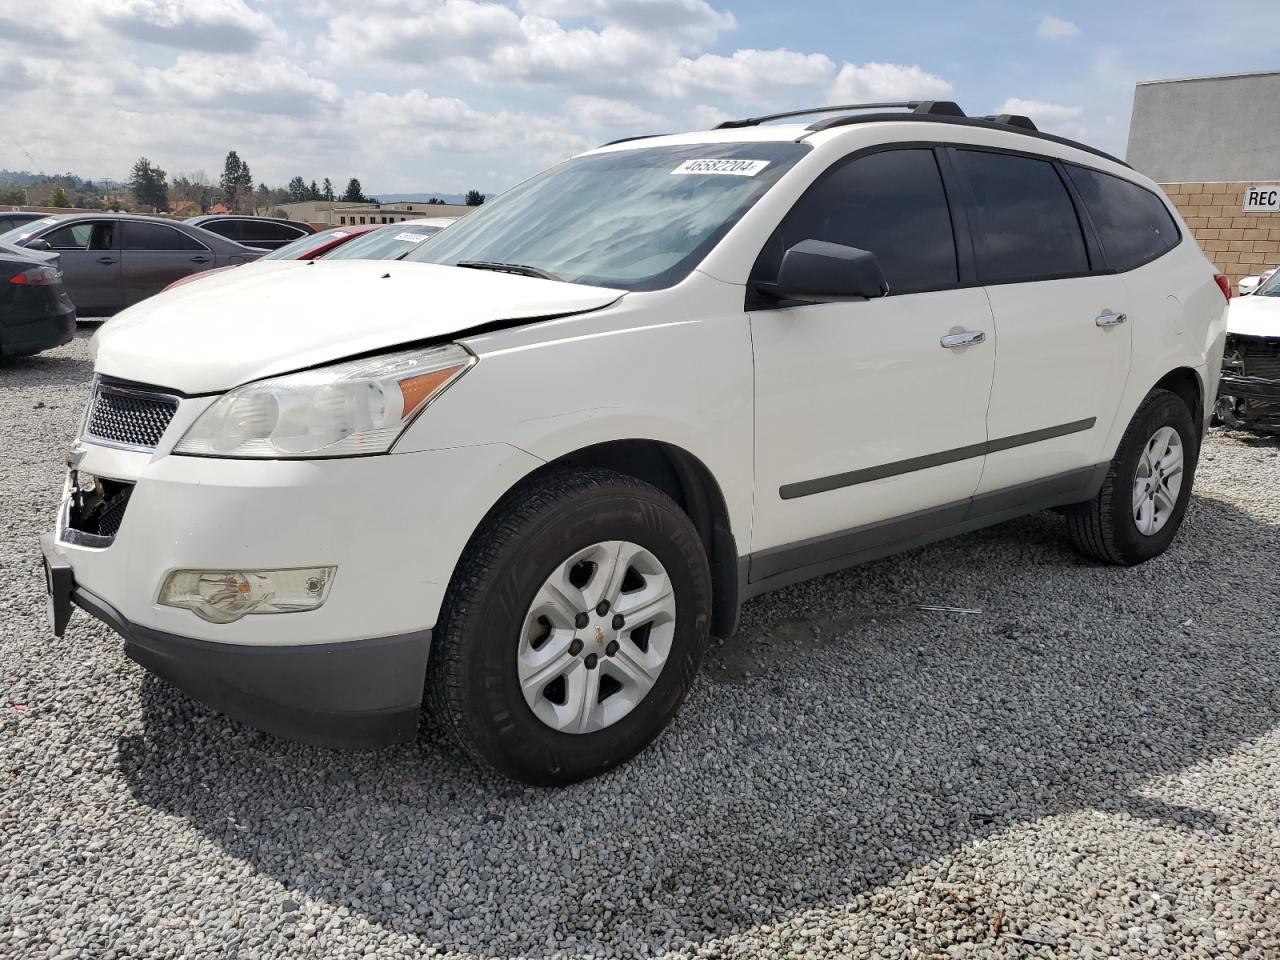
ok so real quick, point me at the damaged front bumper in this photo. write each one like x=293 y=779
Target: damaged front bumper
x=1249 y=390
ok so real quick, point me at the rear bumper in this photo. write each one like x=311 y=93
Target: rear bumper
x=32 y=336
x=354 y=694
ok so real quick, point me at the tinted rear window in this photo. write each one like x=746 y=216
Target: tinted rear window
x=1133 y=223
x=1027 y=225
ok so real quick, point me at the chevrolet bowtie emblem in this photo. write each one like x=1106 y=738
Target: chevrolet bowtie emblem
x=599 y=635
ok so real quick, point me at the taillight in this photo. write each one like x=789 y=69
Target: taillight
x=1223 y=284
x=36 y=277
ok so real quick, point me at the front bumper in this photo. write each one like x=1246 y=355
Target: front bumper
x=364 y=693
x=1249 y=401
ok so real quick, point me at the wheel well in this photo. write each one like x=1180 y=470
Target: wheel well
x=1186 y=384
x=685 y=479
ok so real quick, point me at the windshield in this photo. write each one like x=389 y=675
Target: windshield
x=385 y=243
x=634 y=219
x=1270 y=287
x=298 y=249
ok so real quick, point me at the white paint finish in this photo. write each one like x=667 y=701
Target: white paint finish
x=1054 y=366
x=1254 y=316
x=847 y=386
x=394 y=527
x=245 y=325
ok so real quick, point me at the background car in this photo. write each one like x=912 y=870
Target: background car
x=16 y=218
x=112 y=260
x=1249 y=390
x=35 y=311
x=304 y=248
x=1248 y=285
x=392 y=241
x=266 y=233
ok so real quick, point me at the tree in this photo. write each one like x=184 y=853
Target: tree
x=191 y=188
x=313 y=192
x=148 y=186
x=435 y=201
x=237 y=182
x=59 y=198
x=326 y=192
x=354 y=193
x=474 y=198
x=12 y=195
x=297 y=190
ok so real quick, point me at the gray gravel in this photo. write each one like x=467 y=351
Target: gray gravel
x=1088 y=767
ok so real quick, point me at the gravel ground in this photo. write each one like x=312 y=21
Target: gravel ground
x=1090 y=766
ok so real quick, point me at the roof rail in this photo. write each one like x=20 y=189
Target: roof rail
x=1012 y=120
x=935 y=107
x=642 y=136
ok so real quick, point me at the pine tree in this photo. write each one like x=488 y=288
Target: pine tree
x=354 y=193
x=474 y=198
x=148 y=185
x=326 y=192
x=297 y=190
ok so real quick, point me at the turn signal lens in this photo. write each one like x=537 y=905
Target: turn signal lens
x=224 y=596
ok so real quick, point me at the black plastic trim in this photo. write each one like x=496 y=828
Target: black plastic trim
x=964 y=122
x=918 y=108
x=356 y=694
x=1248 y=388
x=807 y=488
x=791 y=563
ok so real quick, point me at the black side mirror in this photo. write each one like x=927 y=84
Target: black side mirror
x=38 y=245
x=818 y=270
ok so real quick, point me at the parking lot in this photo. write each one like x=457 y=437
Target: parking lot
x=1085 y=763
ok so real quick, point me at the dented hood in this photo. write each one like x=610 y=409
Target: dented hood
x=1254 y=316
x=246 y=324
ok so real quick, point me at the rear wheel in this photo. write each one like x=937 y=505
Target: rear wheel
x=573 y=627
x=1138 y=511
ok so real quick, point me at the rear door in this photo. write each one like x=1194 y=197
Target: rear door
x=155 y=255
x=1063 y=349
x=90 y=261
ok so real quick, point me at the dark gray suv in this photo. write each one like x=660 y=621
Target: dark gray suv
x=112 y=260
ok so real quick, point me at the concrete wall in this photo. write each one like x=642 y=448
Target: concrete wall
x=1240 y=244
x=1209 y=130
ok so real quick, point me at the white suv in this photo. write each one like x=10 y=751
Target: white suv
x=534 y=466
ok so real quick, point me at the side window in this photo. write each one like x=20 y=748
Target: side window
x=1027 y=225
x=139 y=235
x=890 y=203
x=1133 y=223
x=223 y=228
x=266 y=230
x=74 y=236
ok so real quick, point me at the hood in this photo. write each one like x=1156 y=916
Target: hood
x=1254 y=316
x=250 y=323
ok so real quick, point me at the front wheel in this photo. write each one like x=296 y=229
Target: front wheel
x=1144 y=497
x=573 y=627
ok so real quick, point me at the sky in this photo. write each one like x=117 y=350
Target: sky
x=447 y=95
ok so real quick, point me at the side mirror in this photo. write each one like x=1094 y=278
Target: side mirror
x=38 y=245
x=818 y=270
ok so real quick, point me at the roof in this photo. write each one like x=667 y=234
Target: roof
x=1213 y=76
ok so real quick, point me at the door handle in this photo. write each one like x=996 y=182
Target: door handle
x=1109 y=319
x=199 y=259
x=107 y=260
x=965 y=339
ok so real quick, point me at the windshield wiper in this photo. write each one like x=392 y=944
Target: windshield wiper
x=517 y=268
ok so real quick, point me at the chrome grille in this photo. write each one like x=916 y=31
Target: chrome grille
x=131 y=417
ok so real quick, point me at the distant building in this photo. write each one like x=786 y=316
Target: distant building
x=1213 y=144
x=336 y=213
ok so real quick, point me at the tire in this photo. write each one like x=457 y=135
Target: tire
x=1106 y=527
x=476 y=685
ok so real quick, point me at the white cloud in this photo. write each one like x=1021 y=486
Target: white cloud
x=887 y=81
x=421 y=32
x=211 y=25
x=603 y=113
x=1055 y=28
x=1040 y=111
x=749 y=76
x=694 y=21
x=265 y=86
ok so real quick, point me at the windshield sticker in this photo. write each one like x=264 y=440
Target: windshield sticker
x=411 y=237
x=733 y=168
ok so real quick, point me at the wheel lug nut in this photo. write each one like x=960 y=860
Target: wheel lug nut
x=591 y=661
x=581 y=620
x=603 y=607
x=612 y=648
x=618 y=621
x=575 y=648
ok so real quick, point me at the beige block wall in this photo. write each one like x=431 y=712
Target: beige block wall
x=1240 y=244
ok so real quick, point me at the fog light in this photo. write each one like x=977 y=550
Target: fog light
x=223 y=596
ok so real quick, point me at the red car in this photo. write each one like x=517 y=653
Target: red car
x=310 y=247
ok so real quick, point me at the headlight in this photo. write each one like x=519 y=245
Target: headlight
x=224 y=596
x=348 y=409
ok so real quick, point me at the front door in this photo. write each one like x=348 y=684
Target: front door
x=868 y=411
x=90 y=263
